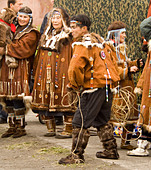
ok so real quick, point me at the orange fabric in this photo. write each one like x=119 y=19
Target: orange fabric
x=149 y=10
x=79 y=72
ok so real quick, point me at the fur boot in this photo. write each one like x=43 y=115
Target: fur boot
x=106 y=136
x=67 y=131
x=79 y=143
x=51 y=126
x=12 y=123
x=20 y=123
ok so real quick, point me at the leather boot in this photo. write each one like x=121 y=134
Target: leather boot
x=79 y=143
x=51 y=126
x=67 y=131
x=125 y=143
x=20 y=123
x=106 y=136
x=11 y=121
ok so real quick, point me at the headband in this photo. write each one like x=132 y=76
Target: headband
x=56 y=13
x=76 y=22
x=23 y=13
x=118 y=30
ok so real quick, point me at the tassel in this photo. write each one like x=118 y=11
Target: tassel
x=92 y=71
x=35 y=96
x=63 y=81
x=48 y=78
x=106 y=88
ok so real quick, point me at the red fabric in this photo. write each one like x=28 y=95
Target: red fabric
x=13 y=27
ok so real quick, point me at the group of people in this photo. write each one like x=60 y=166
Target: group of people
x=77 y=75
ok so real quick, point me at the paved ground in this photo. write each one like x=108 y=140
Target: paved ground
x=36 y=130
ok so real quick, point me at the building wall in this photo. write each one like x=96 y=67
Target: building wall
x=39 y=9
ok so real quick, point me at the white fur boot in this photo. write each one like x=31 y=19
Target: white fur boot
x=141 y=150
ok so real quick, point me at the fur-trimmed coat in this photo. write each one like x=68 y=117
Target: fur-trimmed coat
x=90 y=62
x=145 y=84
x=126 y=81
x=51 y=78
x=14 y=82
x=6 y=29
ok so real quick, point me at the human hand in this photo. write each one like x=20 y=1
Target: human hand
x=137 y=90
x=133 y=69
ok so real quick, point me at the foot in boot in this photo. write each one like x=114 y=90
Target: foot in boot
x=19 y=133
x=72 y=159
x=138 y=152
x=63 y=135
x=50 y=134
x=113 y=154
x=9 y=133
x=128 y=147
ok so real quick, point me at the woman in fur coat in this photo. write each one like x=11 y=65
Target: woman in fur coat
x=51 y=77
x=15 y=72
x=116 y=37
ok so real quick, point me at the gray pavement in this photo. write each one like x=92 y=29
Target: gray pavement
x=36 y=129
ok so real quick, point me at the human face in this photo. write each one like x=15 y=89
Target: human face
x=122 y=37
x=56 y=21
x=76 y=30
x=17 y=6
x=23 y=19
x=52 y=2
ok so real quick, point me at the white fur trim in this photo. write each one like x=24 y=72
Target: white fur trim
x=89 y=91
x=88 y=44
x=3 y=11
x=52 y=41
x=137 y=90
x=149 y=45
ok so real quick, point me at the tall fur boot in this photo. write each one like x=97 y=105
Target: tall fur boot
x=12 y=123
x=79 y=143
x=106 y=136
x=51 y=126
x=67 y=131
x=20 y=123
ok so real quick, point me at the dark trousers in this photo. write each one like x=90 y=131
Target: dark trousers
x=16 y=104
x=3 y=114
x=95 y=109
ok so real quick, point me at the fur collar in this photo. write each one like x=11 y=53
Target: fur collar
x=91 y=40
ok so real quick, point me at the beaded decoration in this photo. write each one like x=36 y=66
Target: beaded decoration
x=92 y=71
x=39 y=79
x=63 y=81
x=103 y=56
x=48 y=81
x=56 y=72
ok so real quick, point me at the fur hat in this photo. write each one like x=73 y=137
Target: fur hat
x=54 y=41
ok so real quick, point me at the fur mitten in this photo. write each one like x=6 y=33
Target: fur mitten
x=11 y=62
